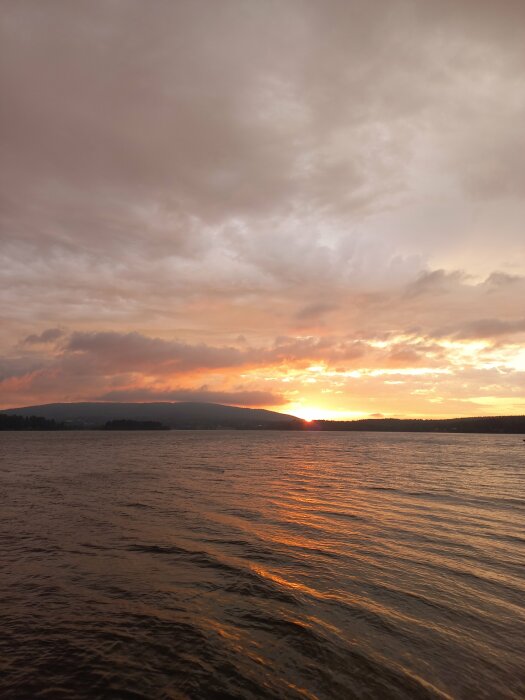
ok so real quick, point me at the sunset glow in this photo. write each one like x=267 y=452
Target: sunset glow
x=260 y=212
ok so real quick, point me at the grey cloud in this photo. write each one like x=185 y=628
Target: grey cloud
x=47 y=336
x=134 y=123
x=484 y=328
x=502 y=279
x=435 y=282
x=135 y=352
x=314 y=311
x=19 y=366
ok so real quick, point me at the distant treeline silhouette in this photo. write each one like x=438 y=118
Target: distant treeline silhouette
x=485 y=424
x=28 y=423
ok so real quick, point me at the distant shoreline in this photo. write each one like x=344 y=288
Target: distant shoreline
x=487 y=425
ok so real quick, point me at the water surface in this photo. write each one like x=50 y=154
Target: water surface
x=261 y=565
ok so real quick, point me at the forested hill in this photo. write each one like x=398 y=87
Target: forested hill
x=183 y=415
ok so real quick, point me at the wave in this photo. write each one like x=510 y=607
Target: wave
x=269 y=566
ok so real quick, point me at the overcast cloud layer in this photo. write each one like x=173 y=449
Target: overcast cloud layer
x=315 y=206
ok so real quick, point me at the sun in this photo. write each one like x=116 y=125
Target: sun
x=307 y=413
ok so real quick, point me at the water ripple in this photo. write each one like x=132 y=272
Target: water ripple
x=261 y=565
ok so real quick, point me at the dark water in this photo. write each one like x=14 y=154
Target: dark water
x=261 y=565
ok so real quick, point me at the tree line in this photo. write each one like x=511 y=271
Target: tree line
x=8 y=422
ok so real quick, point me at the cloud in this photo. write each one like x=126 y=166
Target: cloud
x=485 y=328
x=314 y=311
x=124 y=146
x=11 y=367
x=434 y=282
x=135 y=352
x=429 y=373
x=47 y=336
x=178 y=174
x=404 y=357
x=502 y=279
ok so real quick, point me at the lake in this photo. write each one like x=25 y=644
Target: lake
x=231 y=564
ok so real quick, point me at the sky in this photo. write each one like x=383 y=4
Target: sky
x=313 y=207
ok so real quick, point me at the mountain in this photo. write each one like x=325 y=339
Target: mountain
x=174 y=415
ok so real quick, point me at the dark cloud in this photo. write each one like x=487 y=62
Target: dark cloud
x=47 y=336
x=113 y=352
x=12 y=367
x=135 y=352
x=484 y=328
